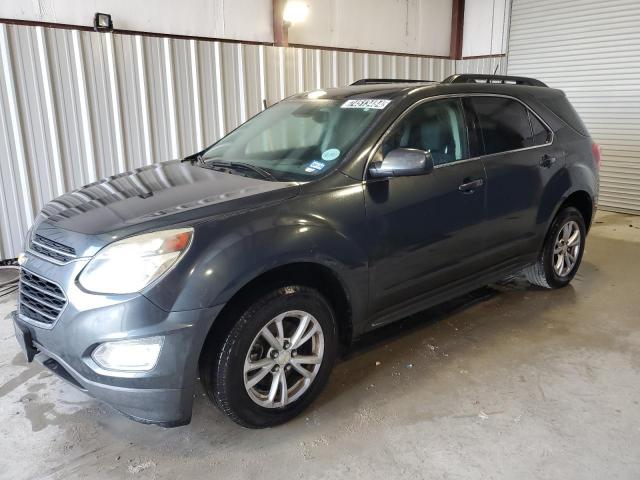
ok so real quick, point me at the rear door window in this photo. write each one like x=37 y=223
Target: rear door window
x=504 y=124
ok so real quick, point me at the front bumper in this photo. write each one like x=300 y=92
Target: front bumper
x=163 y=395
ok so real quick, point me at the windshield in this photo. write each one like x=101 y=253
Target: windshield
x=296 y=140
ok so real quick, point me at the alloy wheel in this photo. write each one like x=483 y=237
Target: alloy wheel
x=566 y=248
x=284 y=359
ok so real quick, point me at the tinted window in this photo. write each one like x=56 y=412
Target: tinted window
x=504 y=124
x=437 y=127
x=558 y=103
x=540 y=133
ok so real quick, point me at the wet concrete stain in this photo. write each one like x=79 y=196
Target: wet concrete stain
x=40 y=414
x=18 y=380
x=19 y=360
x=43 y=413
x=36 y=387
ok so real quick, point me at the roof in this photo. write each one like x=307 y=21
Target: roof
x=383 y=90
x=467 y=83
x=401 y=90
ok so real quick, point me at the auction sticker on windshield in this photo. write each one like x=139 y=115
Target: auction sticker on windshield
x=378 y=104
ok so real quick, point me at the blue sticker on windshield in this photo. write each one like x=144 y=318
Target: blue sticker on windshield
x=314 y=166
x=330 y=154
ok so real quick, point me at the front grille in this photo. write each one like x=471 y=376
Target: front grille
x=52 y=249
x=40 y=299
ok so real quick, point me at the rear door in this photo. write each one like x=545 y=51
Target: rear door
x=425 y=231
x=520 y=160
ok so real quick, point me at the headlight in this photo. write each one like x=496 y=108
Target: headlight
x=129 y=265
x=137 y=355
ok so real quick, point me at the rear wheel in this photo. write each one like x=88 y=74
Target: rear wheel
x=276 y=358
x=562 y=251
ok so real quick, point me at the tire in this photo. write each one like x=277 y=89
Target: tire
x=543 y=273
x=224 y=371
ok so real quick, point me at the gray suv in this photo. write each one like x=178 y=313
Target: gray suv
x=253 y=263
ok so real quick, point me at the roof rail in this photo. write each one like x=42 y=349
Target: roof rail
x=503 y=79
x=373 y=81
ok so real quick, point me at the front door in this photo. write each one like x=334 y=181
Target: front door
x=425 y=231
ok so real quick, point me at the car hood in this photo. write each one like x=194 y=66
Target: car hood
x=150 y=197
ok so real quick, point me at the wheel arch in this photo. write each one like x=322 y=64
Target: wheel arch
x=582 y=201
x=579 y=198
x=310 y=274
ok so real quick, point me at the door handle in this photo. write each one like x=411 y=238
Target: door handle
x=547 y=160
x=469 y=186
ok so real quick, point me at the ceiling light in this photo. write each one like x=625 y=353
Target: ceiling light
x=295 y=12
x=102 y=22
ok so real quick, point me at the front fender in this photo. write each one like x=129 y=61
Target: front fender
x=226 y=255
x=246 y=259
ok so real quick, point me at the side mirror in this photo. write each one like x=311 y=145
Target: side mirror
x=403 y=162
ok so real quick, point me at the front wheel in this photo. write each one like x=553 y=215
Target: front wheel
x=276 y=358
x=562 y=252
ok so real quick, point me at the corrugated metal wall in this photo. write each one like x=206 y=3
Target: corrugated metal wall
x=76 y=106
x=591 y=50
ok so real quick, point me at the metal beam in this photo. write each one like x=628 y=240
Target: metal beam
x=280 y=30
x=457 y=29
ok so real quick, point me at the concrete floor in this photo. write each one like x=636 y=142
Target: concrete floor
x=509 y=382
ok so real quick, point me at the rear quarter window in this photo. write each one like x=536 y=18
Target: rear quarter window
x=560 y=105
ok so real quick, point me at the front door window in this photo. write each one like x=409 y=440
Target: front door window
x=436 y=127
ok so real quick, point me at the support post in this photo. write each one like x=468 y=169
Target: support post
x=457 y=29
x=280 y=30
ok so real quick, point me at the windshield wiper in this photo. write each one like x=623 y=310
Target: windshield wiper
x=194 y=157
x=237 y=166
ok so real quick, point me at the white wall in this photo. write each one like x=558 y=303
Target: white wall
x=403 y=26
x=408 y=26
x=234 y=19
x=486 y=27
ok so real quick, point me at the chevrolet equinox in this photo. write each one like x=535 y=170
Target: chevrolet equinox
x=252 y=263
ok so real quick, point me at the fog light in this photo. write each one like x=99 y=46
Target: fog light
x=138 y=355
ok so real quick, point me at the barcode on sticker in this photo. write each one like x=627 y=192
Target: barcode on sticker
x=366 y=103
